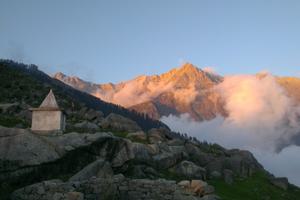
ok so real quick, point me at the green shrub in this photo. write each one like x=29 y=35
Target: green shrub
x=11 y=121
x=254 y=188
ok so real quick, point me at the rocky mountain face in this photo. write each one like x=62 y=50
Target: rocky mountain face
x=291 y=86
x=186 y=89
x=126 y=165
x=118 y=166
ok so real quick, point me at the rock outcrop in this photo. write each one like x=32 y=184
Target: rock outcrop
x=119 y=123
x=186 y=89
x=85 y=125
x=116 y=188
x=26 y=158
x=99 y=169
x=281 y=182
x=190 y=170
x=174 y=92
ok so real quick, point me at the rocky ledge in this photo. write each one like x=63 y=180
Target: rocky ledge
x=116 y=187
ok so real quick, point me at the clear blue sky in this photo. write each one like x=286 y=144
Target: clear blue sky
x=109 y=41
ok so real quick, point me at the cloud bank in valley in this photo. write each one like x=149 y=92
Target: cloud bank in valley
x=258 y=104
x=261 y=118
x=134 y=92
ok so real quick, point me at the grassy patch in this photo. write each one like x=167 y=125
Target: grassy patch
x=121 y=134
x=12 y=121
x=81 y=130
x=5 y=190
x=138 y=140
x=256 y=187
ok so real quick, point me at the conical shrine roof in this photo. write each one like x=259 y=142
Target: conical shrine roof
x=49 y=103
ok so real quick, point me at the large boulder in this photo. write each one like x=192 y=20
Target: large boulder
x=26 y=157
x=215 y=175
x=99 y=169
x=228 y=176
x=176 y=142
x=241 y=163
x=143 y=171
x=72 y=141
x=282 y=183
x=85 y=125
x=75 y=196
x=167 y=156
x=119 y=123
x=142 y=153
x=157 y=135
x=6 y=132
x=216 y=165
x=123 y=152
x=137 y=136
x=197 y=155
x=93 y=115
x=196 y=187
x=20 y=148
x=166 y=160
x=189 y=170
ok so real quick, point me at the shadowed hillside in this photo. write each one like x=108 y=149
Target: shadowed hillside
x=25 y=84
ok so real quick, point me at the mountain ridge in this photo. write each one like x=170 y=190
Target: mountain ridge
x=175 y=90
x=187 y=69
x=185 y=89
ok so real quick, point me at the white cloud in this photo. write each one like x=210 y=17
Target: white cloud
x=260 y=105
x=283 y=164
x=261 y=119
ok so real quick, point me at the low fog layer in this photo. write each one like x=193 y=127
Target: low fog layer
x=261 y=118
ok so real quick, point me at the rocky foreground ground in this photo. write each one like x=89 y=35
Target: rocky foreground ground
x=104 y=166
